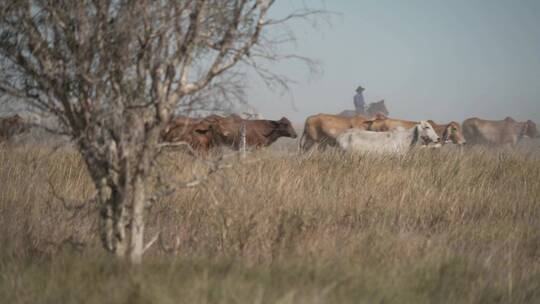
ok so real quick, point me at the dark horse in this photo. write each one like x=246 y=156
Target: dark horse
x=373 y=109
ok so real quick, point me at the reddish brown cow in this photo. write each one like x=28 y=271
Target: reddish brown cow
x=194 y=131
x=180 y=121
x=259 y=133
x=200 y=133
x=12 y=126
x=214 y=130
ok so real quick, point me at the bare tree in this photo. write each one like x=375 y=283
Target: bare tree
x=112 y=72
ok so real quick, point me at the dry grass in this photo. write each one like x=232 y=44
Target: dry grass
x=443 y=226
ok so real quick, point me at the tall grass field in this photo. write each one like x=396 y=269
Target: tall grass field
x=453 y=225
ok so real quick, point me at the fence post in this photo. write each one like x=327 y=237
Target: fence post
x=243 y=139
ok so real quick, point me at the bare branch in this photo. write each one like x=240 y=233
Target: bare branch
x=151 y=242
x=112 y=73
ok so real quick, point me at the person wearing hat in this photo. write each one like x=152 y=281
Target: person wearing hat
x=359 y=103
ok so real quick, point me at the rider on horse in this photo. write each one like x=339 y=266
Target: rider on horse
x=359 y=102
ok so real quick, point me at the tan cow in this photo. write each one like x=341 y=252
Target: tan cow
x=498 y=132
x=322 y=130
x=385 y=124
x=449 y=133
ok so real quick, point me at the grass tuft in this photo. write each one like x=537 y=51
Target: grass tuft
x=434 y=226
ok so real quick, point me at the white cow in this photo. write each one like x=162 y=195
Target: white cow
x=398 y=141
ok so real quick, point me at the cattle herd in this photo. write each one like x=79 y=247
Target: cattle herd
x=383 y=134
x=202 y=134
x=348 y=132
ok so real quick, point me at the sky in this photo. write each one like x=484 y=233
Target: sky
x=429 y=59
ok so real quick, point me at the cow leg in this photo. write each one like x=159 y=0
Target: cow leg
x=325 y=142
x=308 y=145
x=321 y=147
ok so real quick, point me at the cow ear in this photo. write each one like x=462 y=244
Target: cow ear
x=416 y=133
x=447 y=132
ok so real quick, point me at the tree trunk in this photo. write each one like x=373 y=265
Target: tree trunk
x=122 y=189
x=106 y=222
x=112 y=220
x=137 y=221
x=120 y=222
x=122 y=217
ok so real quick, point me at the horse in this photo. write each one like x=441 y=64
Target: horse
x=373 y=109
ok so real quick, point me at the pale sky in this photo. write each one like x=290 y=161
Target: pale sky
x=429 y=59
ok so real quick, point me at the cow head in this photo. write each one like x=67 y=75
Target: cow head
x=426 y=134
x=453 y=134
x=530 y=130
x=285 y=128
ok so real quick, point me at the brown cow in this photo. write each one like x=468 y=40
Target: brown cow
x=259 y=133
x=180 y=121
x=214 y=130
x=12 y=126
x=498 y=132
x=199 y=133
x=322 y=130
